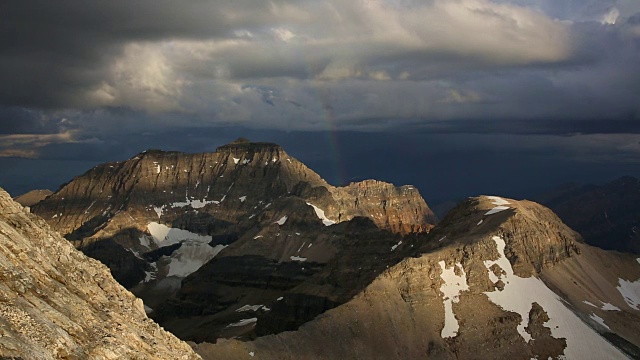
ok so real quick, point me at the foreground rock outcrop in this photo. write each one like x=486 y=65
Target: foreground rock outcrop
x=56 y=303
x=497 y=279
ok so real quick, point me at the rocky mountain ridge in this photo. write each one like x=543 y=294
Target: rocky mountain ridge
x=497 y=278
x=159 y=217
x=56 y=303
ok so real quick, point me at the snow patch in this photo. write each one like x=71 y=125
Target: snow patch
x=396 y=245
x=244 y=322
x=252 y=354
x=588 y=303
x=147 y=309
x=599 y=320
x=249 y=308
x=320 y=214
x=497 y=209
x=190 y=257
x=630 y=291
x=236 y=160
x=280 y=298
x=195 y=204
x=159 y=210
x=144 y=241
x=242 y=198
x=451 y=288
x=496 y=200
x=257 y=237
x=164 y=236
x=87 y=211
x=297 y=258
x=282 y=220
x=192 y=254
x=480 y=222
x=499 y=202
x=609 y=307
x=518 y=296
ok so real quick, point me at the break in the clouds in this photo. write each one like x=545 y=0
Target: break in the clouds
x=73 y=71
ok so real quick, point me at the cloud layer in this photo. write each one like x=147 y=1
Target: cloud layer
x=75 y=71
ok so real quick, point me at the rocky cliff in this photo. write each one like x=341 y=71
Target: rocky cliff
x=56 y=303
x=496 y=279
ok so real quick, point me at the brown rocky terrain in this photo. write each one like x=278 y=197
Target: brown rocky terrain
x=496 y=279
x=607 y=216
x=32 y=197
x=56 y=303
x=270 y=224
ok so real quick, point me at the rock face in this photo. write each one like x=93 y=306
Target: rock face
x=282 y=276
x=496 y=279
x=56 y=303
x=607 y=216
x=158 y=217
x=32 y=197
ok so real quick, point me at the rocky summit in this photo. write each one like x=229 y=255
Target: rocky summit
x=56 y=303
x=496 y=279
x=262 y=222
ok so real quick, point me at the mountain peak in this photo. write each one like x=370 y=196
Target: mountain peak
x=516 y=221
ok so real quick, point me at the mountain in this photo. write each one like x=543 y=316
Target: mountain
x=32 y=197
x=269 y=222
x=496 y=279
x=607 y=216
x=279 y=278
x=56 y=303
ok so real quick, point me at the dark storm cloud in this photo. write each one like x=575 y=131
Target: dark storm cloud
x=17 y=120
x=85 y=79
x=52 y=52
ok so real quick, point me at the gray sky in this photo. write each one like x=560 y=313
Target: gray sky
x=85 y=82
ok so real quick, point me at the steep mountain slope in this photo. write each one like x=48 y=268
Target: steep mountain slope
x=279 y=278
x=56 y=303
x=32 y=197
x=607 y=216
x=497 y=279
x=158 y=217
